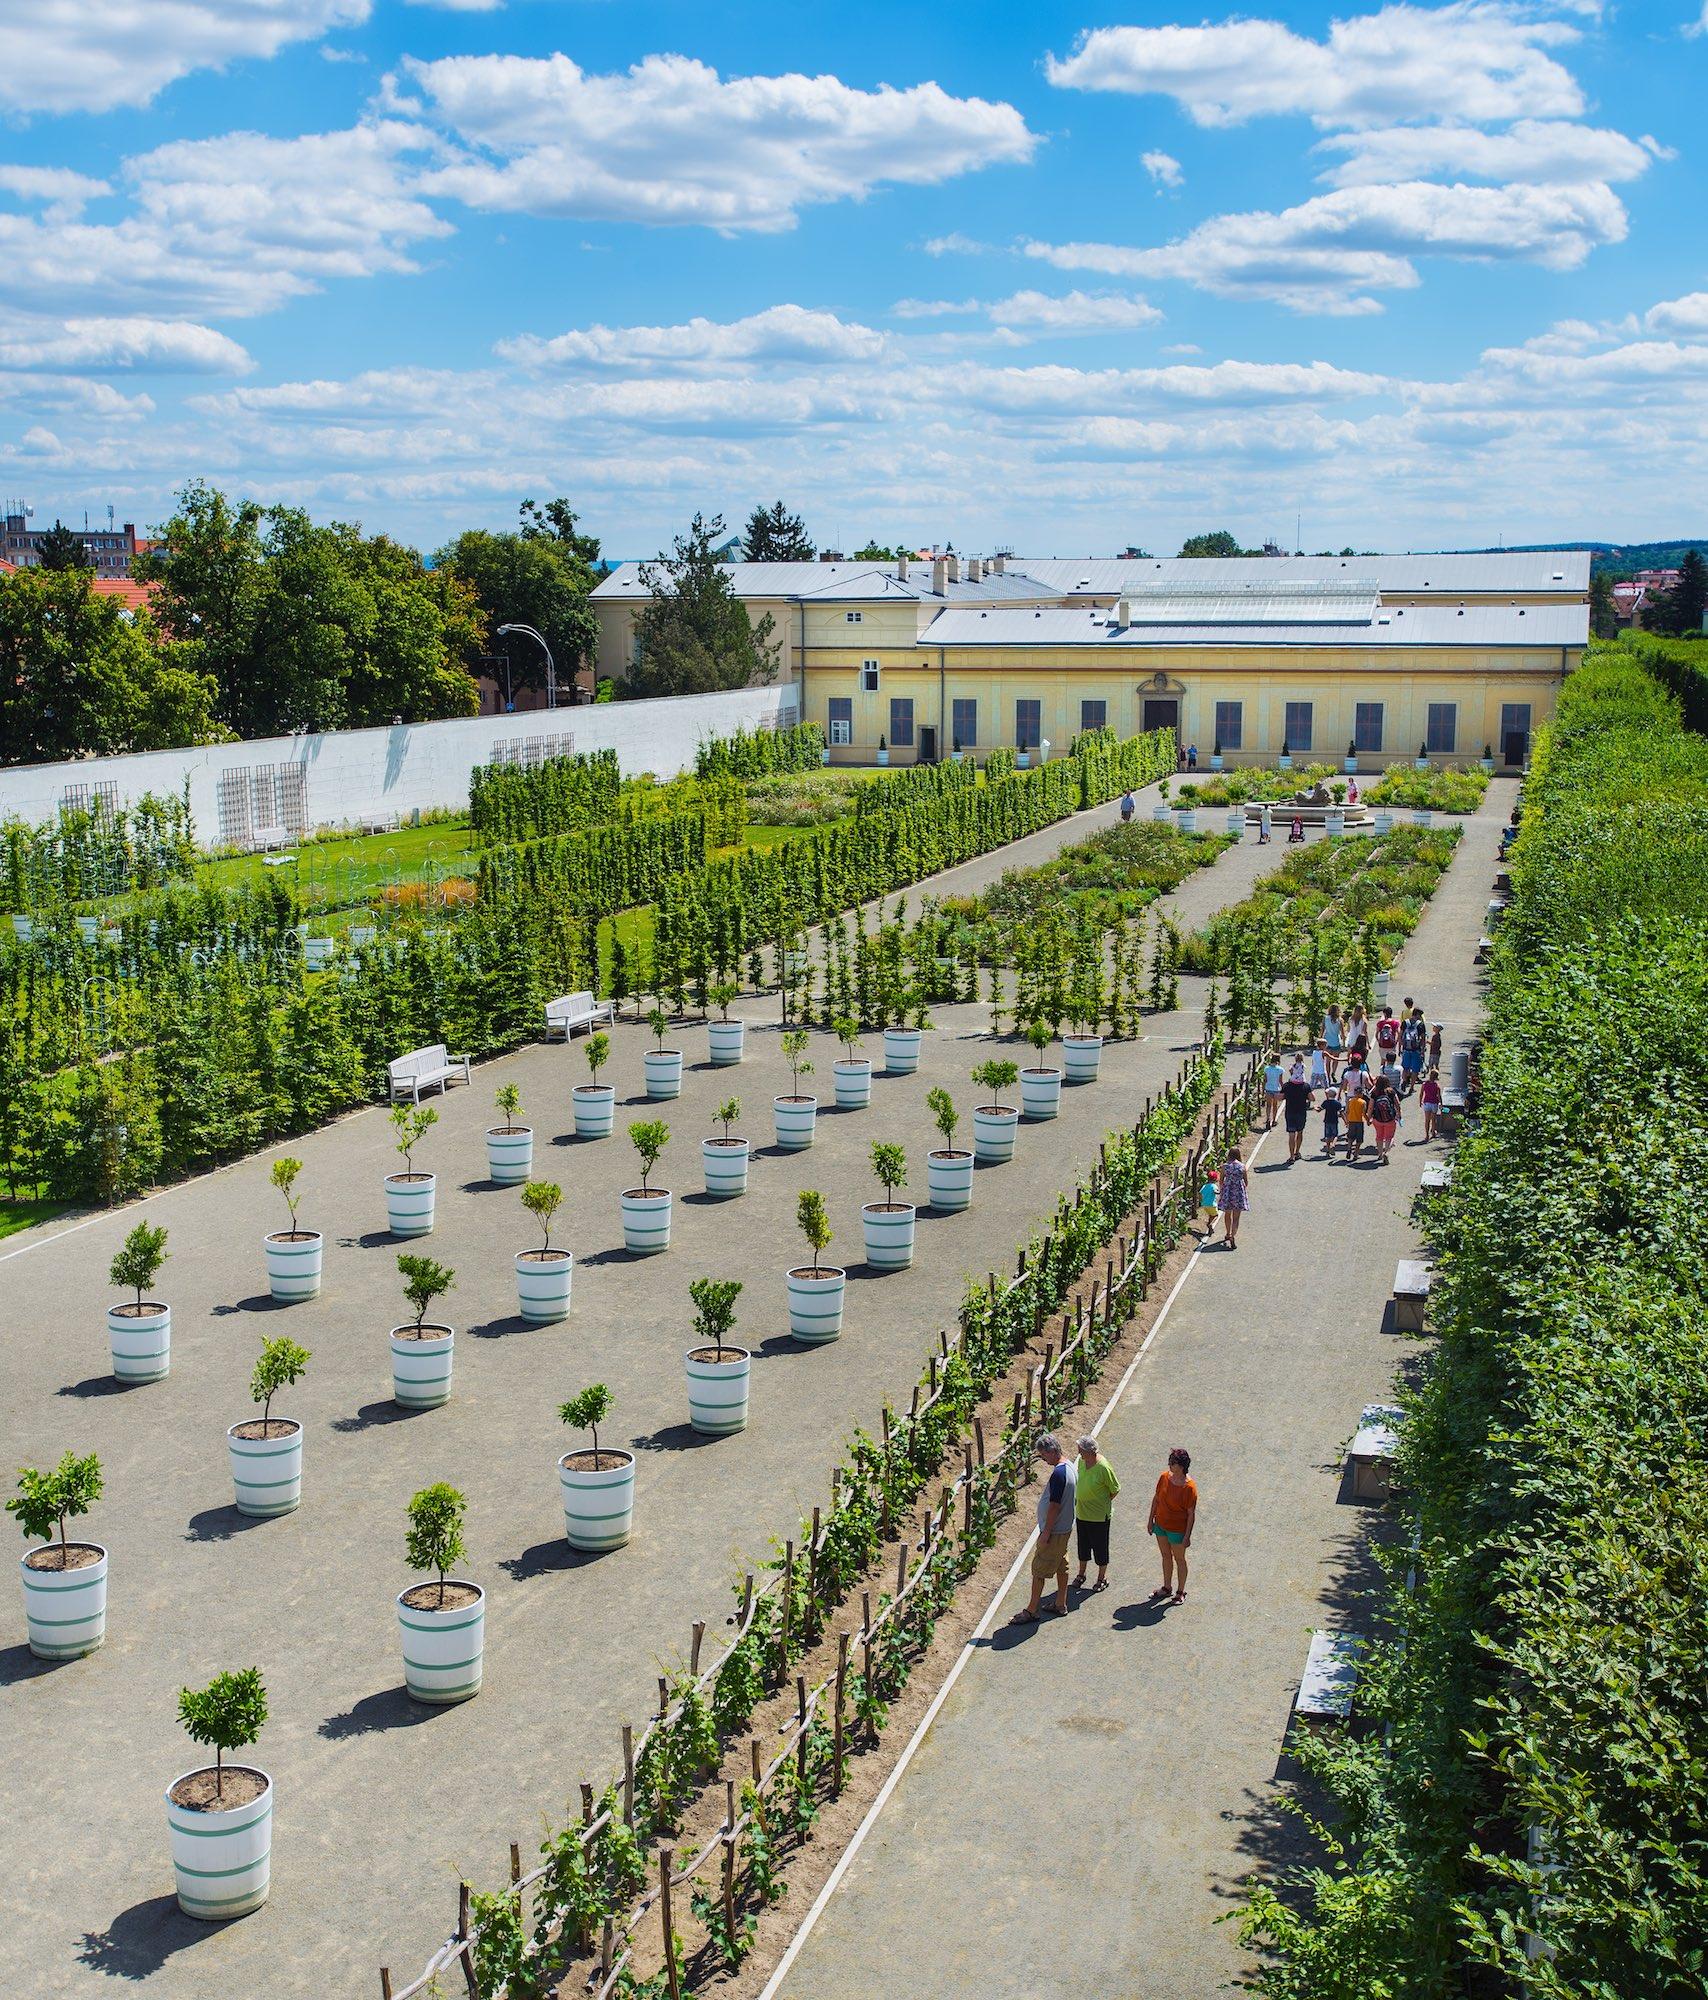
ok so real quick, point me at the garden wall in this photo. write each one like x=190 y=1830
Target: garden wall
x=302 y=782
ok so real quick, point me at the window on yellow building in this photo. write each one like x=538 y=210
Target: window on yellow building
x=1230 y=725
x=841 y=718
x=1297 y=736
x=1028 y=724
x=1441 y=731
x=1094 y=715
x=964 y=725
x=901 y=722
x=1367 y=727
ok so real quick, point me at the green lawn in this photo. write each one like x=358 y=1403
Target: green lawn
x=16 y=1215
x=347 y=873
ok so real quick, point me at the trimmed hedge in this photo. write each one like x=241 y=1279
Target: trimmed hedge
x=757 y=753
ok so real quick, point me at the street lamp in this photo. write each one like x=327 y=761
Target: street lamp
x=551 y=665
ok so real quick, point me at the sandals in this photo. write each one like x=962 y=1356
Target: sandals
x=1024 y=1618
x=1096 y=1587
x=1179 y=1597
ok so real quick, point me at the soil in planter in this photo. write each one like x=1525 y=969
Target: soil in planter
x=818 y=1271
x=731 y=1143
x=269 y=1427
x=425 y=1597
x=997 y=1110
x=147 y=1310
x=887 y=1207
x=427 y=1331
x=293 y=1235
x=542 y=1256
x=721 y=1355
x=595 y=1461
x=592 y=1089
x=77 y=1555
x=200 y=1791
x=408 y=1177
x=802 y=1099
x=951 y=1153
x=646 y=1194
x=507 y=1131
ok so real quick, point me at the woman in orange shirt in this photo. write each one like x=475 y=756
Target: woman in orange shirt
x=1174 y=1509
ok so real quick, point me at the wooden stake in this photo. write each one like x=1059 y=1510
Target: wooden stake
x=628 y=1774
x=586 y=1803
x=729 y=1883
x=978 y=1437
x=812 y=1577
x=801 y=1731
x=901 y=1567
x=606 y=1936
x=694 y=1648
x=783 y=1609
x=665 y=1856
x=462 y=1936
x=515 y=1864
x=385 y=1982
x=841 y=1688
x=757 y=1761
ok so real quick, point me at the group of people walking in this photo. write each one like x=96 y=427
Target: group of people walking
x=1077 y=1503
x=1359 y=1094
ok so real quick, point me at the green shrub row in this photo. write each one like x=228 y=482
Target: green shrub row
x=757 y=753
x=560 y=795
x=1525 y=1815
x=81 y=854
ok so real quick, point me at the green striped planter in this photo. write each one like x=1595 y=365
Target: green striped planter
x=889 y=1234
x=1082 y=1057
x=815 y=1303
x=267 y=1472
x=1041 y=1092
x=294 y=1264
x=725 y=1163
x=595 y=1107
x=949 y=1181
x=717 y=1392
x=409 y=1202
x=598 y=1507
x=542 y=1285
x=994 y=1127
x=1383 y=822
x=442 y=1649
x=853 y=1084
x=727 y=1041
x=663 y=1069
x=793 y=1121
x=509 y=1155
x=65 y=1610
x=646 y=1221
x=901 y=1050
x=421 y=1369
x=141 y=1342
x=222 y=1861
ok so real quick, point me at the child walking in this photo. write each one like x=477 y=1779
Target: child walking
x=1331 y=1119
x=1207 y=1201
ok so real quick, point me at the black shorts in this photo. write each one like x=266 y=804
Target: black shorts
x=1295 y=1121
x=1093 y=1541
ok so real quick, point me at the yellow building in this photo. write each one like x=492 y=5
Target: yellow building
x=1380 y=657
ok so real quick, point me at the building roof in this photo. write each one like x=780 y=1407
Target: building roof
x=834 y=582
x=132 y=595
x=1419 y=625
x=1452 y=575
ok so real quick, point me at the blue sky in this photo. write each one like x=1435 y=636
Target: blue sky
x=1023 y=276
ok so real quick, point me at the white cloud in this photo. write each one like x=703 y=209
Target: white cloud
x=460 y=6
x=1163 y=168
x=59 y=190
x=1330 y=253
x=1041 y=313
x=98 y=346
x=787 y=333
x=1183 y=347
x=670 y=141
x=1477 y=60
x=957 y=245
x=1536 y=150
x=70 y=55
x=1686 y=315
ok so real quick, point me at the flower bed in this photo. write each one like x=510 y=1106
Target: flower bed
x=1238 y=788
x=1439 y=789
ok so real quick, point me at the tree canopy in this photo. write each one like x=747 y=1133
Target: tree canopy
x=773 y=534
x=62 y=548
x=540 y=575
x=694 y=635
x=1217 y=543
x=1680 y=610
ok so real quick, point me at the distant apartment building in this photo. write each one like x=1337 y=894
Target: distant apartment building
x=1634 y=595
x=109 y=549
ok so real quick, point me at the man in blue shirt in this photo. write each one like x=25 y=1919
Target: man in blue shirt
x=1055 y=1526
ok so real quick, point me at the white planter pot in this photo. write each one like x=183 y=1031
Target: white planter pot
x=1334 y=821
x=853 y=1084
x=1422 y=816
x=65 y=1610
x=1488 y=764
x=726 y=1166
x=815 y=1303
x=294 y=1264
x=824 y=756
x=1186 y=820
x=221 y=1861
x=717 y=1393
x=889 y=1235
x=1041 y=1092
x=1236 y=821
x=883 y=758
x=1349 y=765
x=542 y=1285
x=795 y=963
x=595 y=1108
x=901 y=1050
x=267 y=1472
x=141 y=1342
x=1420 y=763
x=317 y=953
x=1162 y=813
x=1082 y=1057
x=727 y=1041
x=1022 y=760
x=1284 y=762
x=443 y=1650
x=421 y=1369
x=646 y=1221
x=794 y=1119
x=1379 y=988
x=409 y=1203
x=949 y=1181
x=1384 y=822
x=1215 y=761
x=598 y=1507
x=957 y=756
x=993 y=1133
x=663 y=1072
x=509 y=1155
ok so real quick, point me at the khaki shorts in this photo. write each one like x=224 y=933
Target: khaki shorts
x=1050 y=1557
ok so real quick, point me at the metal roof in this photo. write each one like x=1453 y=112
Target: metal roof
x=1478 y=625
x=1452 y=575
x=856 y=583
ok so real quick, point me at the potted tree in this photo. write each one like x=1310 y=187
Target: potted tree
x=794 y=1118
x=725 y=1157
x=65 y=1583
x=1421 y=760
x=1186 y=812
x=266 y=1451
x=1040 y=1082
x=663 y=1066
x=883 y=750
x=140 y=1331
x=726 y=1039
x=816 y=1290
x=409 y=1196
x=901 y=1042
x=888 y=1224
x=956 y=753
x=1488 y=759
x=509 y=1147
x=543 y=1276
x=1082 y=1051
x=595 y=1103
x=717 y=1369
x=1162 y=810
x=1350 y=763
x=1285 y=761
x=948 y=1168
x=598 y=1486
x=293 y=1255
x=852 y=1070
x=219 y=1818
x=443 y=1623
x=1216 y=755
x=646 y=1209
x=995 y=1123
x=421 y=1349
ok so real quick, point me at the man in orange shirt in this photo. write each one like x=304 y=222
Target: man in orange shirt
x=1174 y=1509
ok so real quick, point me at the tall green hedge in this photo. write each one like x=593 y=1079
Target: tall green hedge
x=560 y=795
x=82 y=853
x=1528 y=1817
x=758 y=753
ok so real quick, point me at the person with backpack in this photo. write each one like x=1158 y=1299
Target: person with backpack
x=1384 y=1119
x=1414 y=1039
x=1387 y=1037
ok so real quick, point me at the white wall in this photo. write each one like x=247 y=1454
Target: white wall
x=311 y=781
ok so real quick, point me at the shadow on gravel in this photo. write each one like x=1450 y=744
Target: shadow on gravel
x=95 y=1385
x=18 y=1663
x=374 y=1239
x=500 y=1329
x=220 y=1524
x=391 y=1708
x=140 y=1940
x=371 y=1415
x=549 y=1558
x=257 y=1302
x=673 y=1437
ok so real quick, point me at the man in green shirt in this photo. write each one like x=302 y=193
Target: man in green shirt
x=1093 y=1503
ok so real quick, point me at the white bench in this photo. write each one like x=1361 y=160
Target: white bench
x=1331 y=1674
x=1412 y=1282
x=570 y=1011
x=1371 y=1452
x=1435 y=1177
x=358 y=935
x=265 y=837
x=422 y=1069
x=24 y=927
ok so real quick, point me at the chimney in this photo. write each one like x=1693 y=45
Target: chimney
x=901 y=568
x=954 y=563
x=1123 y=614
x=939 y=574
x=997 y=565
x=975 y=570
